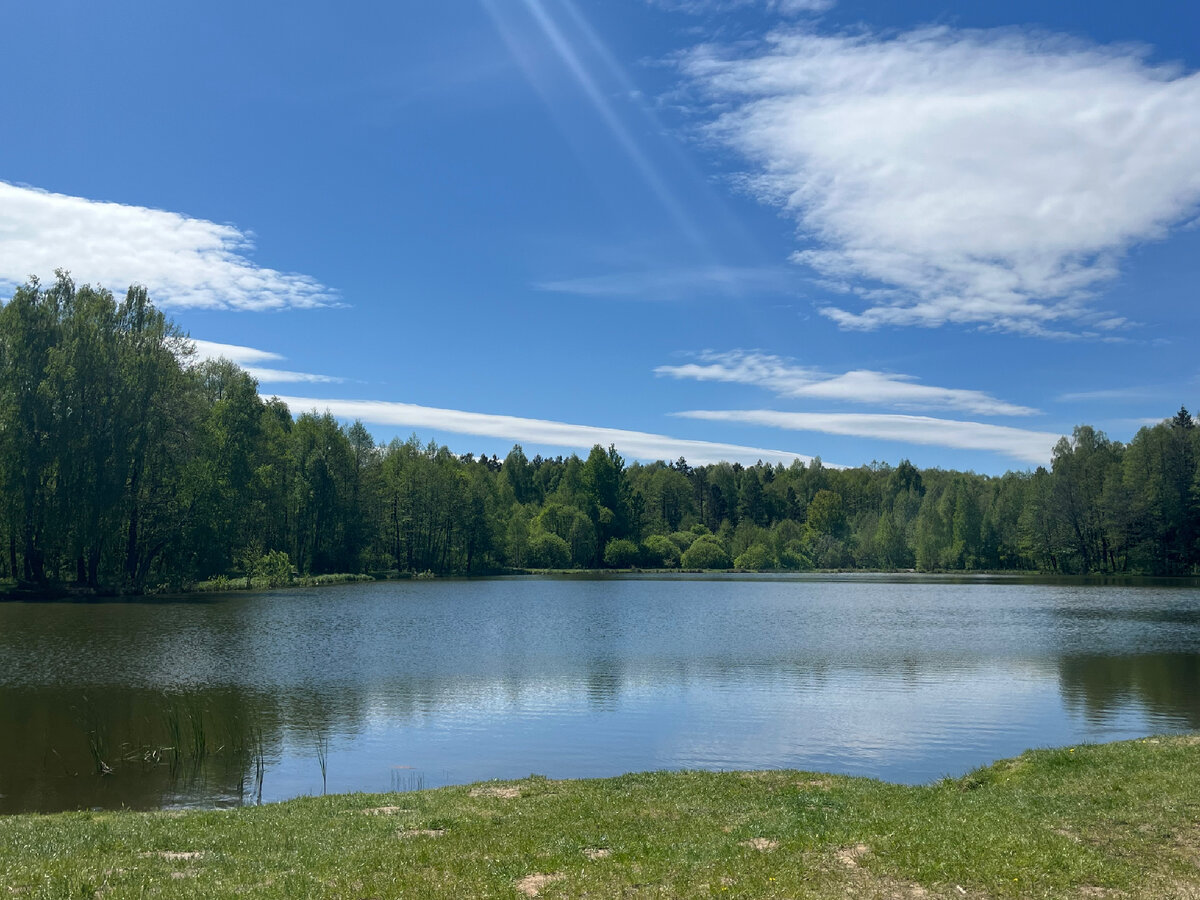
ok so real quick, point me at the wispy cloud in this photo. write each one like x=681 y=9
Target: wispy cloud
x=636 y=444
x=249 y=359
x=991 y=178
x=858 y=386
x=182 y=261
x=1131 y=393
x=1028 y=446
x=784 y=7
x=682 y=283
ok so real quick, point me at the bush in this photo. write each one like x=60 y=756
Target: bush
x=792 y=556
x=660 y=552
x=706 y=552
x=274 y=567
x=266 y=570
x=682 y=539
x=548 y=551
x=756 y=557
x=620 y=554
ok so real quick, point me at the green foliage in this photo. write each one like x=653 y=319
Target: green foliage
x=660 y=552
x=267 y=570
x=706 y=552
x=756 y=558
x=621 y=553
x=793 y=556
x=548 y=551
x=125 y=466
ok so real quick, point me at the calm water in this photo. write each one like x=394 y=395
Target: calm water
x=401 y=685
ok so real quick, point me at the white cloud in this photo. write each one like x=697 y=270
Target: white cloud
x=1028 y=446
x=183 y=262
x=249 y=357
x=636 y=444
x=988 y=178
x=857 y=386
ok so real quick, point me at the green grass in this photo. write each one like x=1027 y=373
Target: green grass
x=222 y=583
x=1116 y=820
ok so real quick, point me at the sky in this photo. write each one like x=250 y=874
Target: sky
x=717 y=229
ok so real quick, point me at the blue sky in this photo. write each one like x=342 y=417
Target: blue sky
x=731 y=229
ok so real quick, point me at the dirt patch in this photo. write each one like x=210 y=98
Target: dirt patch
x=820 y=784
x=174 y=854
x=500 y=791
x=384 y=810
x=849 y=856
x=761 y=844
x=422 y=832
x=531 y=885
x=183 y=874
x=597 y=852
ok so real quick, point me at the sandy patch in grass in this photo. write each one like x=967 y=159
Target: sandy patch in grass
x=597 y=852
x=531 y=885
x=422 y=832
x=821 y=784
x=501 y=791
x=761 y=844
x=849 y=856
x=385 y=810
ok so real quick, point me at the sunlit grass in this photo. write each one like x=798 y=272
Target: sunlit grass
x=222 y=583
x=1118 y=820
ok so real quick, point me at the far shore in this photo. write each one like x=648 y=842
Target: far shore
x=66 y=592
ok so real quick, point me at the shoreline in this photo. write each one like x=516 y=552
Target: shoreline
x=66 y=593
x=1107 y=820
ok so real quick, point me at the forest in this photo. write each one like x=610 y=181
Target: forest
x=126 y=466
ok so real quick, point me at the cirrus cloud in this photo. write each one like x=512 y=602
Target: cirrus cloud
x=858 y=386
x=251 y=359
x=637 y=444
x=182 y=261
x=1028 y=446
x=986 y=178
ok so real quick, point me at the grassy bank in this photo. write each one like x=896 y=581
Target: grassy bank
x=222 y=583
x=1117 y=820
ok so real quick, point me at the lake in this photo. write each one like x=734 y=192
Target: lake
x=244 y=698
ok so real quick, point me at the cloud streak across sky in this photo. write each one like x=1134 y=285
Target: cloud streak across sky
x=250 y=359
x=183 y=262
x=637 y=444
x=984 y=178
x=1032 y=447
x=858 y=386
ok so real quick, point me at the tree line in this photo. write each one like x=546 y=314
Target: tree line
x=127 y=466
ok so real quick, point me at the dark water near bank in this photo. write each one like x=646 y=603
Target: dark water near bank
x=393 y=686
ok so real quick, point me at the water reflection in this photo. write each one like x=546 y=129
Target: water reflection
x=1165 y=685
x=66 y=749
x=399 y=686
